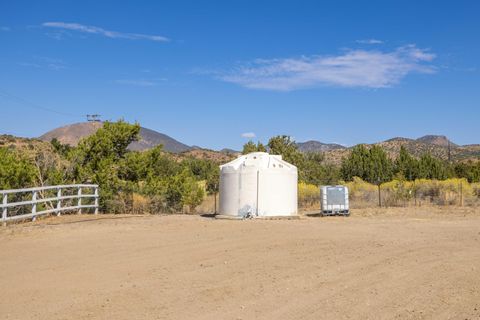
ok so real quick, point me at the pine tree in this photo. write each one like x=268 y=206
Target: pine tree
x=249 y=147
x=372 y=165
x=406 y=165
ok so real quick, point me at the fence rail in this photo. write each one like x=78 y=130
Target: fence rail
x=56 y=203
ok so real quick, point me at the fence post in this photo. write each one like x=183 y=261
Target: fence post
x=379 y=196
x=34 y=205
x=79 y=203
x=415 y=192
x=461 y=194
x=5 y=210
x=215 y=205
x=96 y=200
x=59 y=202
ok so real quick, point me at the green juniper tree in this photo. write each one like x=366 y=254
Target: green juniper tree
x=406 y=165
x=250 y=147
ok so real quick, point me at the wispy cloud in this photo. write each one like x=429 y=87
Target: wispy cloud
x=141 y=82
x=100 y=31
x=355 y=68
x=29 y=64
x=5 y=29
x=369 y=41
x=58 y=34
x=45 y=62
x=54 y=64
x=249 y=135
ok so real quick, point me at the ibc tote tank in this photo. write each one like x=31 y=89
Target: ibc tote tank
x=334 y=200
x=258 y=185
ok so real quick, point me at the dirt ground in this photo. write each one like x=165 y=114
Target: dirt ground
x=402 y=264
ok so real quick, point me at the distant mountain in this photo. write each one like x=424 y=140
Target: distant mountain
x=206 y=154
x=399 y=139
x=438 y=146
x=229 y=151
x=150 y=138
x=317 y=146
x=441 y=141
x=73 y=133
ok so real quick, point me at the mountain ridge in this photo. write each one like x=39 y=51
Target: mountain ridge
x=437 y=145
x=439 y=140
x=73 y=133
x=317 y=146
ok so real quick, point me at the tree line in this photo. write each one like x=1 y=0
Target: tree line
x=370 y=163
x=172 y=183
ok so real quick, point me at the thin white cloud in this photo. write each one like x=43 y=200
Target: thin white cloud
x=29 y=64
x=58 y=34
x=100 y=31
x=5 y=29
x=249 y=135
x=355 y=68
x=52 y=63
x=140 y=82
x=45 y=62
x=369 y=41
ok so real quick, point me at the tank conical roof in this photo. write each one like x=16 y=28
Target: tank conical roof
x=258 y=160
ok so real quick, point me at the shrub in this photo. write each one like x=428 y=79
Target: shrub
x=16 y=171
x=361 y=193
x=308 y=194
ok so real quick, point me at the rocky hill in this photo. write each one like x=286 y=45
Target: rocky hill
x=30 y=147
x=441 y=141
x=22 y=144
x=438 y=146
x=206 y=154
x=150 y=138
x=72 y=134
x=317 y=146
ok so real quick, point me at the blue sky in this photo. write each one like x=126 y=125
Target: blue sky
x=214 y=73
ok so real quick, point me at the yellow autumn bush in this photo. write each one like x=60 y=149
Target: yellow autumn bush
x=308 y=194
x=362 y=193
x=422 y=191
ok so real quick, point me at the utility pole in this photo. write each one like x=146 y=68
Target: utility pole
x=93 y=118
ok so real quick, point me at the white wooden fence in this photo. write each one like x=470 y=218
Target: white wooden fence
x=72 y=192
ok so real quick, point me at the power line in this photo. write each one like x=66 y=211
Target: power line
x=32 y=105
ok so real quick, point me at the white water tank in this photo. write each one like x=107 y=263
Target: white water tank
x=258 y=185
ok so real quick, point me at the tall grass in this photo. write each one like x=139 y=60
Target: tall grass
x=398 y=193
x=308 y=195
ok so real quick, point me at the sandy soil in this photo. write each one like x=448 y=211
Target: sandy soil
x=417 y=266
